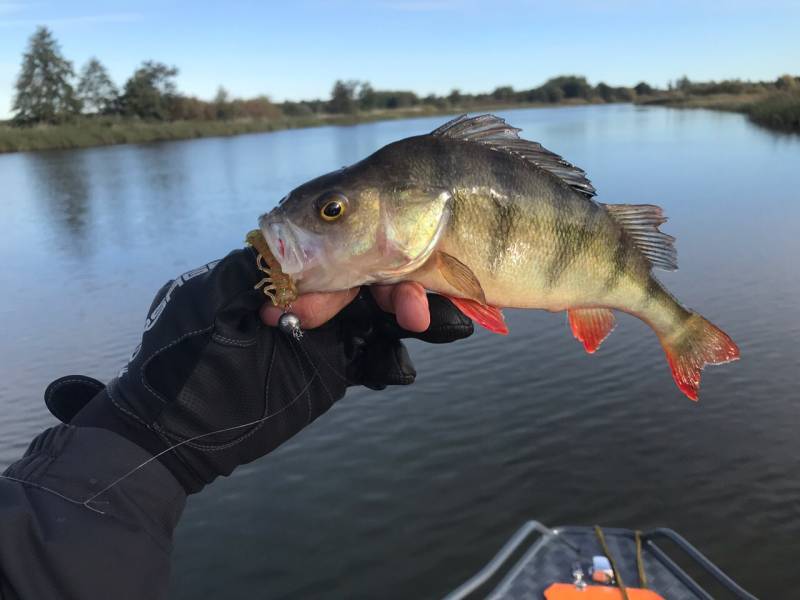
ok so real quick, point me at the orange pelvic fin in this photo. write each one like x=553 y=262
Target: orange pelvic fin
x=698 y=343
x=487 y=316
x=591 y=326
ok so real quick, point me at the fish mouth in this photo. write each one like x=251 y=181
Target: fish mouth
x=292 y=247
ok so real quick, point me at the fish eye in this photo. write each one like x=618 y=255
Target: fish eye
x=332 y=206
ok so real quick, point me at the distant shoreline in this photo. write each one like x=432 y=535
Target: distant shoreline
x=108 y=131
x=780 y=112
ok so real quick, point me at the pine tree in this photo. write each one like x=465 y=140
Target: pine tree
x=44 y=92
x=96 y=91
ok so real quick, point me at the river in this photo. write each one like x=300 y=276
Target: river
x=406 y=492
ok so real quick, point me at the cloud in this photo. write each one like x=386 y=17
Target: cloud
x=71 y=21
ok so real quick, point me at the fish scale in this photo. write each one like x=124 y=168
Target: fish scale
x=490 y=220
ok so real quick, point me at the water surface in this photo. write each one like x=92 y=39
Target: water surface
x=404 y=493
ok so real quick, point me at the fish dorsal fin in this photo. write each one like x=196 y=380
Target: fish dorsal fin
x=640 y=222
x=494 y=132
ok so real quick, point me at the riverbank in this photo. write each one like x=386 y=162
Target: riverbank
x=775 y=110
x=780 y=111
x=105 y=131
x=87 y=132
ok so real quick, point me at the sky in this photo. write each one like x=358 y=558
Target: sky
x=297 y=49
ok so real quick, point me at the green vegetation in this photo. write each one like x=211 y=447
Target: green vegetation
x=99 y=131
x=44 y=91
x=55 y=109
x=771 y=104
x=778 y=111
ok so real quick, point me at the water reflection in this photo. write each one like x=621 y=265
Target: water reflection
x=404 y=494
x=63 y=190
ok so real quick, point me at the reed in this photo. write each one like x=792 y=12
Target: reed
x=779 y=111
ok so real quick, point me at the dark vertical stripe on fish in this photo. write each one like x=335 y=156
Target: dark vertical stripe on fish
x=573 y=242
x=503 y=223
x=455 y=212
x=652 y=290
x=620 y=260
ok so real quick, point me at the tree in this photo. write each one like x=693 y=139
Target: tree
x=96 y=91
x=786 y=82
x=395 y=99
x=683 y=84
x=260 y=107
x=343 y=97
x=571 y=86
x=605 y=91
x=643 y=89
x=366 y=97
x=297 y=109
x=552 y=92
x=454 y=98
x=44 y=92
x=222 y=104
x=436 y=101
x=150 y=93
x=504 y=93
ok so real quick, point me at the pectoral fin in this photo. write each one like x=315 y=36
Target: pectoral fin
x=591 y=326
x=471 y=299
x=460 y=276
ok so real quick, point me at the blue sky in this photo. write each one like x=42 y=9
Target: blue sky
x=296 y=49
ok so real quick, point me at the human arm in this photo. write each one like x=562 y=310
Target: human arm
x=89 y=512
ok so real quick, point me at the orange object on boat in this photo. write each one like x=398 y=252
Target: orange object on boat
x=569 y=591
x=602 y=577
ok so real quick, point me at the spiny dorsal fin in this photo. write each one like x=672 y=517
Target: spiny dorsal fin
x=641 y=222
x=499 y=135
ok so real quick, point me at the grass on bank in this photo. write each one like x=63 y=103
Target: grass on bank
x=86 y=132
x=775 y=110
x=778 y=111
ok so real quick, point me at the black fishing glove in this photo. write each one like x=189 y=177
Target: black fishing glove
x=211 y=377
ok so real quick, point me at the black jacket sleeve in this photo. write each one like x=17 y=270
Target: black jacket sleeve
x=52 y=545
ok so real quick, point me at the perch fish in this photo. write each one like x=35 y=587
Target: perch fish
x=490 y=220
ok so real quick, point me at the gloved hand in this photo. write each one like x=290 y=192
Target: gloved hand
x=210 y=376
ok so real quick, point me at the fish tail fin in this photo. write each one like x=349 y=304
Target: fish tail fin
x=692 y=345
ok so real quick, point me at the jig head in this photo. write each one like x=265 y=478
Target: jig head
x=276 y=285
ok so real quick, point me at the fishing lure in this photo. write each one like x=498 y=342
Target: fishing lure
x=276 y=285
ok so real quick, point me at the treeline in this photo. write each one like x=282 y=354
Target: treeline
x=773 y=104
x=48 y=90
x=733 y=86
x=348 y=97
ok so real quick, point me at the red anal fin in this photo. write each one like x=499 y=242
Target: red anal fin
x=487 y=316
x=591 y=326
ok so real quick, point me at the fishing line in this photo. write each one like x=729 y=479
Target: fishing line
x=120 y=479
x=288 y=323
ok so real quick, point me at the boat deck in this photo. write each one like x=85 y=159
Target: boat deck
x=555 y=554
